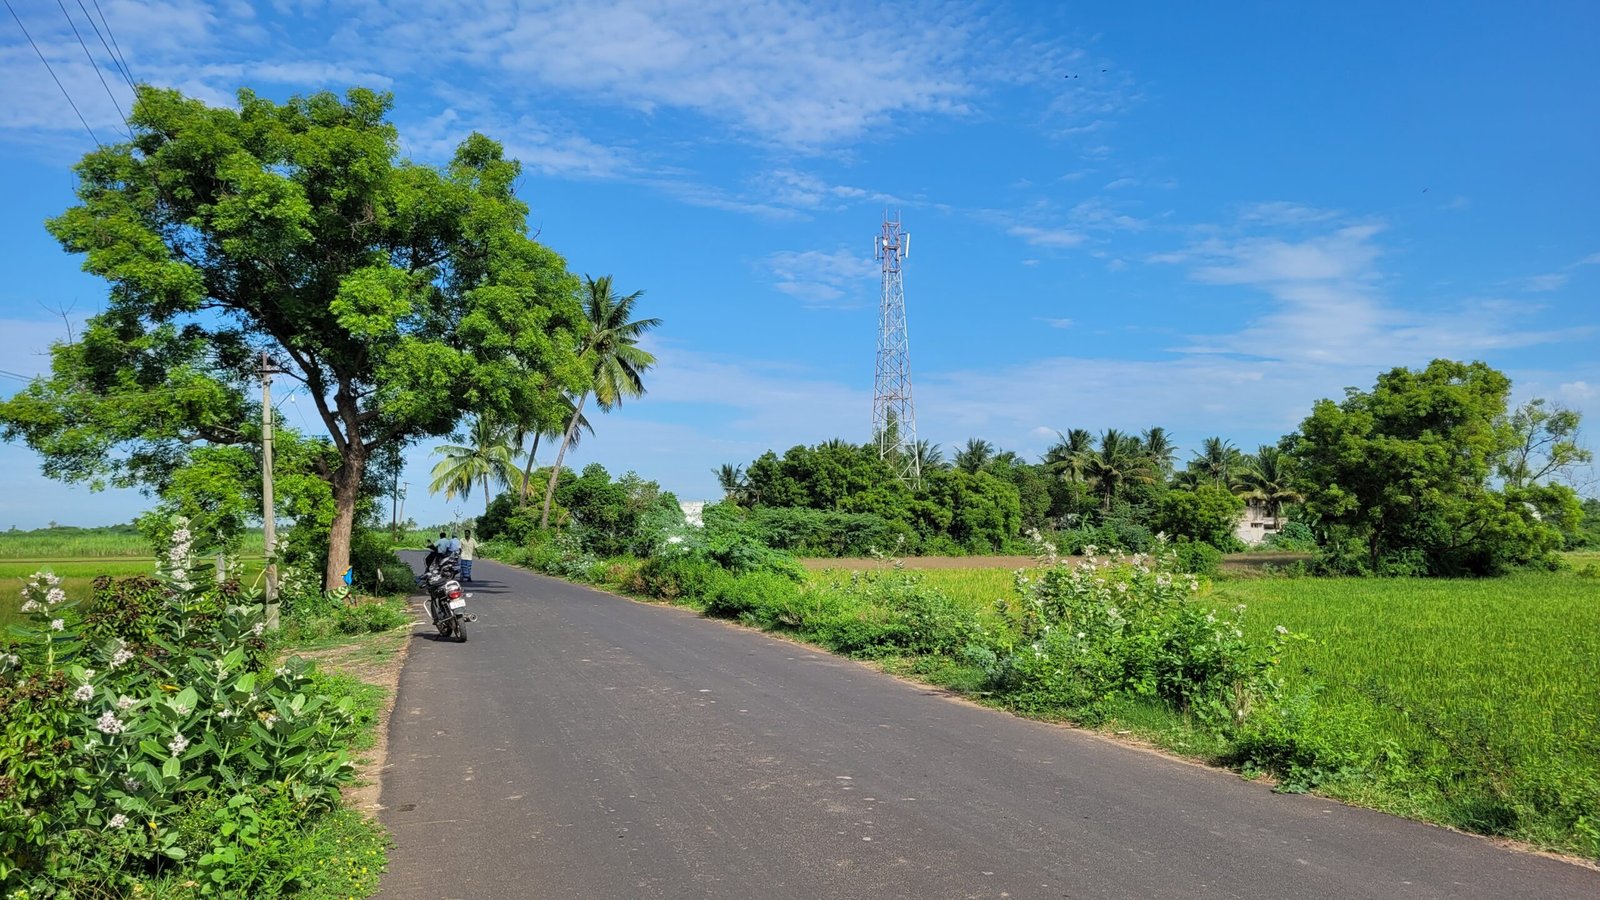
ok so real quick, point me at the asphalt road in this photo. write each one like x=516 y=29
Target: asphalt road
x=582 y=745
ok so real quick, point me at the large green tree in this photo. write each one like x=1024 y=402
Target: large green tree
x=1400 y=475
x=398 y=295
x=615 y=362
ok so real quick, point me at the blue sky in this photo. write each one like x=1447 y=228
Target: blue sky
x=1165 y=215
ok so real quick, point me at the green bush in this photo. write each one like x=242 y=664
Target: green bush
x=816 y=532
x=1295 y=536
x=1093 y=631
x=1197 y=558
x=110 y=729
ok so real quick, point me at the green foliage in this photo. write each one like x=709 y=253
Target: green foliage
x=816 y=532
x=154 y=701
x=1093 y=631
x=400 y=294
x=1196 y=558
x=1399 y=477
x=1207 y=513
x=1296 y=536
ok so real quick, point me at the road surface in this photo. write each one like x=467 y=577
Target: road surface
x=581 y=745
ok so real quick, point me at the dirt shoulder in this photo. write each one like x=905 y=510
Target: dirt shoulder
x=374 y=659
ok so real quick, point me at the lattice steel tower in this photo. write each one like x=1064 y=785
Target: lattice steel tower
x=894 y=418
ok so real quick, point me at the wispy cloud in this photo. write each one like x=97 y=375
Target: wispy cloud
x=833 y=280
x=1329 y=308
x=1047 y=237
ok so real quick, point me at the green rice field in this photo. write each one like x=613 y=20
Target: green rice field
x=1469 y=702
x=77 y=576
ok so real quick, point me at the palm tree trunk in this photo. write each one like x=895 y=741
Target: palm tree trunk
x=527 y=470
x=486 y=493
x=555 y=471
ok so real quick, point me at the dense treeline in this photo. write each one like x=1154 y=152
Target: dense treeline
x=1428 y=473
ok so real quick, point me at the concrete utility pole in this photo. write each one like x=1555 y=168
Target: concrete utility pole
x=268 y=518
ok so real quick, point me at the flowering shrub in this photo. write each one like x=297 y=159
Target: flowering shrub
x=1128 y=626
x=111 y=725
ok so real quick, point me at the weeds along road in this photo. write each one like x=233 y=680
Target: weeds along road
x=582 y=745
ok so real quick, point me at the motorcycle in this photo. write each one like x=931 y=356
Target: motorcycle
x=447 y=602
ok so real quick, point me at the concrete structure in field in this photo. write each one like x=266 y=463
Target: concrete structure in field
x=1254 y=525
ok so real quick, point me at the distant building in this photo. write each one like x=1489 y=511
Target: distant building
x=692 y=510
x=1254 y=525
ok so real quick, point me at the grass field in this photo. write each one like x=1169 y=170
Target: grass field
x=1469 y=702
x=77 y=576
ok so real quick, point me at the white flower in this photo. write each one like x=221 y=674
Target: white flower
x=1081 y=635
x=120 y=657
x=109 y=723
x=54 y=596
x=10 y=659
x=270 y=720
x=125 y=702
x=132 y=785
x=1281 y=630
x=281 y=671
x=181 y=709
x=88 y=674
x=57 y=624
x=225 y=714
x=31 y=606
x=258 y=628
x=117 y=821
x=178 y=744
x=84 y=693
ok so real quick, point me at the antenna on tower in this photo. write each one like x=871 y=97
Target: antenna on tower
x=894 y=419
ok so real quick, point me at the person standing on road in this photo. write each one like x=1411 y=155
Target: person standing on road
x=469 y=549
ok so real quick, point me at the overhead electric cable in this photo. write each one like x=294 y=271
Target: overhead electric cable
x=94 y=65
x=114 y=61
x=126 y=71
x=53 y=75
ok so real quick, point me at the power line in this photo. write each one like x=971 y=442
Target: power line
x=114 y=61
x=94 y=65
x=127 y=72
x=53 y=75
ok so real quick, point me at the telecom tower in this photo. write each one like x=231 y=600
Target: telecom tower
x=894 y=419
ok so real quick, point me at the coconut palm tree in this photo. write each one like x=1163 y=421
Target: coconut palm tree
x=1119 y=461
x=731 y=478
x=1266 y=480
x=972 y=458
x=487 y=453
x=1159 y=446
x=616 y=363
x=1218 y=461
x=534 y=431
x=929 y=456
x=1067 y=457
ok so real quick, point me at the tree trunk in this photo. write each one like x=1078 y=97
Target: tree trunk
x=486 y=494
x=346 y=487
x=527 y=470
x=555 y=471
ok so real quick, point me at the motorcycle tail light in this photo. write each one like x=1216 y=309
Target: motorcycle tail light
x=455 y=595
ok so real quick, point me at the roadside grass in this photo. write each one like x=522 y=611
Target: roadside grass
x=1466 y=702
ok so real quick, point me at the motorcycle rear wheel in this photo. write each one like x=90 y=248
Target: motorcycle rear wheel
x=461 y=631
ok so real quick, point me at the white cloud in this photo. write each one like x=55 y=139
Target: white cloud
x=839 y=280
x=1329 y=308
x=1549 y=282
x=1047 y=237
x=1057 y=323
